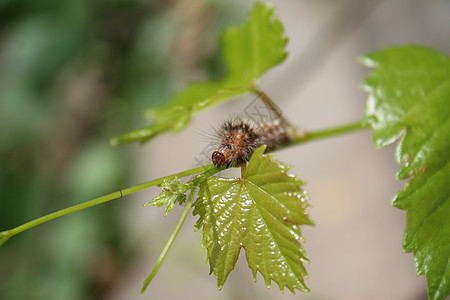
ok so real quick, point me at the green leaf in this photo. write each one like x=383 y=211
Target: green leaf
x=262 y=213
x=249 y=51
x=252 y=49
x=173 y=191
x=410 y=101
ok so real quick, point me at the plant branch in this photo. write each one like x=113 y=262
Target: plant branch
x=271 y=105
x=299 y=136
x=169 y=243
x=324 y=133
x=5 y=235
x=194 y=184
x=332 y=131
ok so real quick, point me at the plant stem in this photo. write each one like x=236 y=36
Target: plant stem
x=299 y=136
x=169 y=243
x=334 y=131
x=271 y=105
x=195 y=183
x=324 y=133
x=5 y=235
x=3 y=238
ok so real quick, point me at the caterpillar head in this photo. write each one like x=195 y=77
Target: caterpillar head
x=218 y=159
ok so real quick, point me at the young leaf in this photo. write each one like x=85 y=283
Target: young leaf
x=249 y=51
x=410 y=101
x=258 y=45
x=262 y=213
x=172 y=191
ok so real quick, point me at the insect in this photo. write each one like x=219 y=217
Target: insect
x=239 y=139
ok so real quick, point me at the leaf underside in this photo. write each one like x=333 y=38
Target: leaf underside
x=262 y=213
x=249 y=51
x=410 y=101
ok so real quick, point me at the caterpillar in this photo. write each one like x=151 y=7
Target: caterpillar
x=239 y=139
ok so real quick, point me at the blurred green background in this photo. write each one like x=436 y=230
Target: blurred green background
x=74 y=73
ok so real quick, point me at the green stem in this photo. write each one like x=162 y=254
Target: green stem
x=5 y=235
x=3 y=238
x=195 y=183
x=169 y=243
x=325 y=133
x=271 y=105
x=333 y=131
x=299 y=137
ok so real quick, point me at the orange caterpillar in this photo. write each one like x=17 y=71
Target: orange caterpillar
x=238 y=140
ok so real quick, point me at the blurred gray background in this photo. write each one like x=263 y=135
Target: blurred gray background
x=74 y=73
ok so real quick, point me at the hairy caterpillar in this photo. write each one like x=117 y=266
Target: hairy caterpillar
x=239 y=139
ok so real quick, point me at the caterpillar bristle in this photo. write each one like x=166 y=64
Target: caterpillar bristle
x=240 y=138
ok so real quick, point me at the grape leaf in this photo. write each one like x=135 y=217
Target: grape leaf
x=249 y=51
x=410 y=101
x=261 y=213
x=173 y=191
